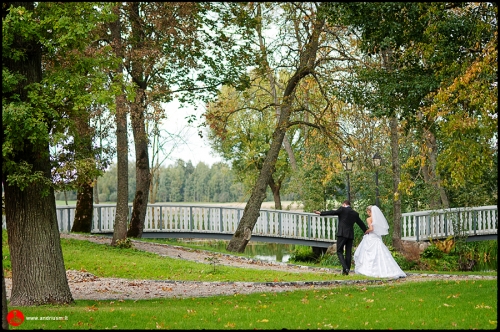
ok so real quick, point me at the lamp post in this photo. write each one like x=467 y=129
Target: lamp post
x=376 y=162
x=347 y=162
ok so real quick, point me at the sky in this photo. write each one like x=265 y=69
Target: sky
x=193 y=147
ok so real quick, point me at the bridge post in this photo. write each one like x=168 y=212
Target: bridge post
x=99 y=224
x=417 y=228
x=160 y=218
x=309 y=225
x=268 y=224
x=279 y=224
x=221 y=224
x=428 y=224
x=475 y=221
x=445 y=225
x=191 y=220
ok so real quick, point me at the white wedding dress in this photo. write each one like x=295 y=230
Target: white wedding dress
x=372 y=258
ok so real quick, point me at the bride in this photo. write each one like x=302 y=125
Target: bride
x=372 y=258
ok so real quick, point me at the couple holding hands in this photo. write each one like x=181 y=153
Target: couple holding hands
x=372 y=258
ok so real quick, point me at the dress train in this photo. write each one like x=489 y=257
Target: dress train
x=372 y=258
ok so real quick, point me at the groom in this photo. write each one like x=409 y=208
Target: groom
x=345 y=232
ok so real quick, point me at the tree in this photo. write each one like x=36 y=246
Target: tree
x=84 y=206
x=121 y=110
x=241 y=128
x=464 y=111
x=309 y=29
x=34 y=110
x=89 y=159
x=421 y=48
x=175 y=50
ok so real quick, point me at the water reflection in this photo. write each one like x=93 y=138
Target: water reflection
x=273 y=252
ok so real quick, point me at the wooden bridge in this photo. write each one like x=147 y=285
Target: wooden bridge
x=476 y=223
x=281 y=226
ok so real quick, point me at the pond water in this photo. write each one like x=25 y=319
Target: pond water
x=273 y=252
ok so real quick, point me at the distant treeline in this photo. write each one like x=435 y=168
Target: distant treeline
x=181 y=182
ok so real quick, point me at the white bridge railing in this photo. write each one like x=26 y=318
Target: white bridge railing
x=433 y=224
x=211 y=219
x=163 y=218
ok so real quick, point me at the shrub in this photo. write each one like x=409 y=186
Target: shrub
x=432 y=252
x=446 y=245
x=302 y=254
x=124 y=244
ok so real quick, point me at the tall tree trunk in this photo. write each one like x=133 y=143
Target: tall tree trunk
x=143 y=175
x=96 y=192
x=396 y=167
x=275 y=188
x=251 y=213
x=155 y=166
x=431 y=177
x=155 y=183
x=84 y=209
x=121 y=217
x=38 y=273
x=137 y=117
x=85 y=196
x=396 y=175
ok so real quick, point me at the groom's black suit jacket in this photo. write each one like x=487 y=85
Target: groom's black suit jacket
x=347 y=218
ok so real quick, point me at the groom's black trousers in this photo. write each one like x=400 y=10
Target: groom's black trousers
x=344 y=244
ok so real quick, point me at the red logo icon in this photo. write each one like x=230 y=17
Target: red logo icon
x=15 y=317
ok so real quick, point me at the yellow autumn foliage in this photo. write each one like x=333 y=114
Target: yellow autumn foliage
x=445 y=245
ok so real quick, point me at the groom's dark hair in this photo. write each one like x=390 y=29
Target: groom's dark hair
x=347 y=202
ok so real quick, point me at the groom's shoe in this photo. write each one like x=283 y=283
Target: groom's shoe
x=345 y=272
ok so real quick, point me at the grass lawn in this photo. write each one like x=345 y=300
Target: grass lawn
x=424 y=305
